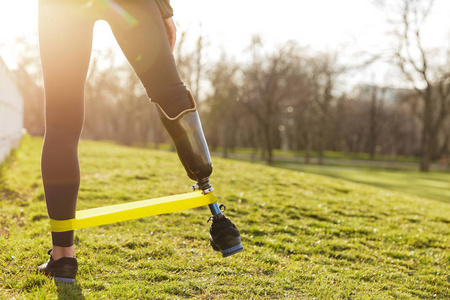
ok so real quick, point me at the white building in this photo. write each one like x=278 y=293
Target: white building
x=11 y=113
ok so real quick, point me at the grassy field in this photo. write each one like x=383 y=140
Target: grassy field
x=313 y=154
x=433 y=185
x=305 y=236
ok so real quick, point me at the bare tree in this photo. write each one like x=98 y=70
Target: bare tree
x=324 y=74
x=374 y=119
x=117 y=107
x=190 y=62
x=429 y=82
x=28 y=77
x=224 y=112
x=269 y=81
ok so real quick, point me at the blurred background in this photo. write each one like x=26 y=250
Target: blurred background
x=328 y=83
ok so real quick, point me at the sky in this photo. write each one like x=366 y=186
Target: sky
x=343 y=26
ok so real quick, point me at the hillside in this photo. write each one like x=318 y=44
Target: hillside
x=305 y=236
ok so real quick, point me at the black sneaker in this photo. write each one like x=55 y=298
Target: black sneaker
x=63 y=270
x=224 y=236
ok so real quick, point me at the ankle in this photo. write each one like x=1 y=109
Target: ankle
x=60 y=252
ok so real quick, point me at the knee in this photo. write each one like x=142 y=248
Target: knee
x=64 y=124
x=63 y=132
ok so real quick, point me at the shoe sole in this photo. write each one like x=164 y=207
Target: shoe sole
x=232 y=250
x=64 y=280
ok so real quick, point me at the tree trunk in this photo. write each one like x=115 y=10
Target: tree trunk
x=225 y=141
x=269 y=146
x=307 y=149
x=372 y=124
x=426 y=141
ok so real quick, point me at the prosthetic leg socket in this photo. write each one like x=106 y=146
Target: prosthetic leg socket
x=187 y=135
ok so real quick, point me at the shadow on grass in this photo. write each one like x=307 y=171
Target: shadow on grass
x=69 y=291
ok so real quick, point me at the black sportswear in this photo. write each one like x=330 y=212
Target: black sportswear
x=65 y=42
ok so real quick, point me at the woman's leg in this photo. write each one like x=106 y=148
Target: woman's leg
x=65 y=40
x=145 y=44
x=143 y=39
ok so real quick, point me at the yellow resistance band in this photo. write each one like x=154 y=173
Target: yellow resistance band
x=132 y=210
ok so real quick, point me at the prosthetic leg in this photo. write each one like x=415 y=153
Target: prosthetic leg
x=187 y=134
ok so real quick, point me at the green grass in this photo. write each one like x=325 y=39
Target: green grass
x=326 y=155
x=348 y=155
x=433 y=185
x=305 y=236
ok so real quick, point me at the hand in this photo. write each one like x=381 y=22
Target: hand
x=171 y=30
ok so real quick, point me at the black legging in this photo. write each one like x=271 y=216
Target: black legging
x=65 y=38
